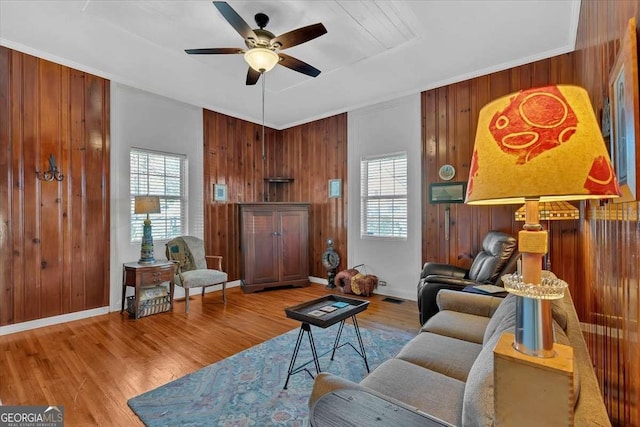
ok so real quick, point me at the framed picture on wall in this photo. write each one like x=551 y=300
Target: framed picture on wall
x=220 y=192
x=335 y=188
x=625 y=124
x=447 y=192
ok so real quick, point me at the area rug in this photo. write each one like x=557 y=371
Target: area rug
x=246 y=388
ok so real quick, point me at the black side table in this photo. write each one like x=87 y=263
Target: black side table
x=302 y=312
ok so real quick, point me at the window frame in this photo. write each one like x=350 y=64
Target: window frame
x=136 y=220
x=365 y=163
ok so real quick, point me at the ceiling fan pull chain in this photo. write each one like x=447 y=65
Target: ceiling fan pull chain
x=264 y=156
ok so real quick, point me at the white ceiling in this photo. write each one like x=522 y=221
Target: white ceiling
x=373 y=50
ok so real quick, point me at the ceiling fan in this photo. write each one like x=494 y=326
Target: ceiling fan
x=263 y=47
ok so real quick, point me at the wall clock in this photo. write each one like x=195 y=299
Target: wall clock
x=447 y=172
x=330 y=261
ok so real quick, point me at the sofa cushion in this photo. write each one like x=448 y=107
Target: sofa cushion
x=449 y=356
x=463 y=326
x=430 y=392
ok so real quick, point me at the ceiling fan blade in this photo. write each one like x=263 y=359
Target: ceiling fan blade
x=252 y=76
x=236 y=21
x=298 y=36
x=297 y=65
x=213 y=51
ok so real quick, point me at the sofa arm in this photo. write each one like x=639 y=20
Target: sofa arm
x=465 y=302
x=326 y=383
x=427 y=294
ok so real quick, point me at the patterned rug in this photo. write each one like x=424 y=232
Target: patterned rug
x=246 y=388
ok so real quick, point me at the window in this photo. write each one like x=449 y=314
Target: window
x=383 y=207
x=158 y=174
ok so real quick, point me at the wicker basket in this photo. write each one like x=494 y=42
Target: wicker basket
x=148 y=307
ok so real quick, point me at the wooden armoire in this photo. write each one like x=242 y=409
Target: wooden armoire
x=274 y=239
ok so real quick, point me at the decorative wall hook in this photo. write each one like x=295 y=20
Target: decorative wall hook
x=52 y=174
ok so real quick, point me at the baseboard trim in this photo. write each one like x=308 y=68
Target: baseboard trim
x=54 y=320
x=63 y=318
x=319 y=280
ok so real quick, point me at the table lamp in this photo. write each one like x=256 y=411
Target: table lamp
x=538 y=145
x=147 y=205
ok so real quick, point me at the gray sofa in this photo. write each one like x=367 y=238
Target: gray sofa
x=447 y=369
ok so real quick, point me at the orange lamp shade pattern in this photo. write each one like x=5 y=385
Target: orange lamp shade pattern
x=534 y=122
x=540 y=143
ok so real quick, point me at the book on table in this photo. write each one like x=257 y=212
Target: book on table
x=489 y=289
x=317 y=313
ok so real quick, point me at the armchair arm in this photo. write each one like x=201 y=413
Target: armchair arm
x=460 y=282
x=211 y=261
x=435 y=268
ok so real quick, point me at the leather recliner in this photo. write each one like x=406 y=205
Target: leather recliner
x=498 y=256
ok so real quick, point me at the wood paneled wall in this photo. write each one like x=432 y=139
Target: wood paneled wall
x=310 y=154
x=232 y=156
x=449 y=119
x=610 y=250
x=54 y=236
x=313 y=154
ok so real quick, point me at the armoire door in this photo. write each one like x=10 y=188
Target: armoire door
x=260 y=246
x=293 y=240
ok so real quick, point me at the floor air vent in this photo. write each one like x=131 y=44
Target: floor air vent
x=393 y=300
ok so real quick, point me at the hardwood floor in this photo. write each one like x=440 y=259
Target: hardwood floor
x=93 y=366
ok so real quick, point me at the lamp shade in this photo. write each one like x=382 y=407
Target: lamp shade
x=147 y=204
x=261 y=59
x=542 y=143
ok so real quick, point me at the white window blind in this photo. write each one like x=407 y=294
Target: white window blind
x=383 y=210
x=158 y=174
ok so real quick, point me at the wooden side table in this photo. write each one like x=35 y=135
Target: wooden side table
x=145 y=275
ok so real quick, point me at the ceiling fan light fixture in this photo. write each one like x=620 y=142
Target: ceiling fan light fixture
x=261 y=59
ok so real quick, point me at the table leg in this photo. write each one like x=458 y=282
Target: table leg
x=124 y=287
x=172 y=286
x=364 y=355
x=136 y=289
x=313 y=349
x=294 y=355
x=305 y=327
x=337 y=341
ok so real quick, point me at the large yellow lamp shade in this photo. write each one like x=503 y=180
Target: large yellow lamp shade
x=542 y=143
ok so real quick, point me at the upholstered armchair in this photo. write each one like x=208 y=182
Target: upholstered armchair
x=498 y=256
x=195 y=269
